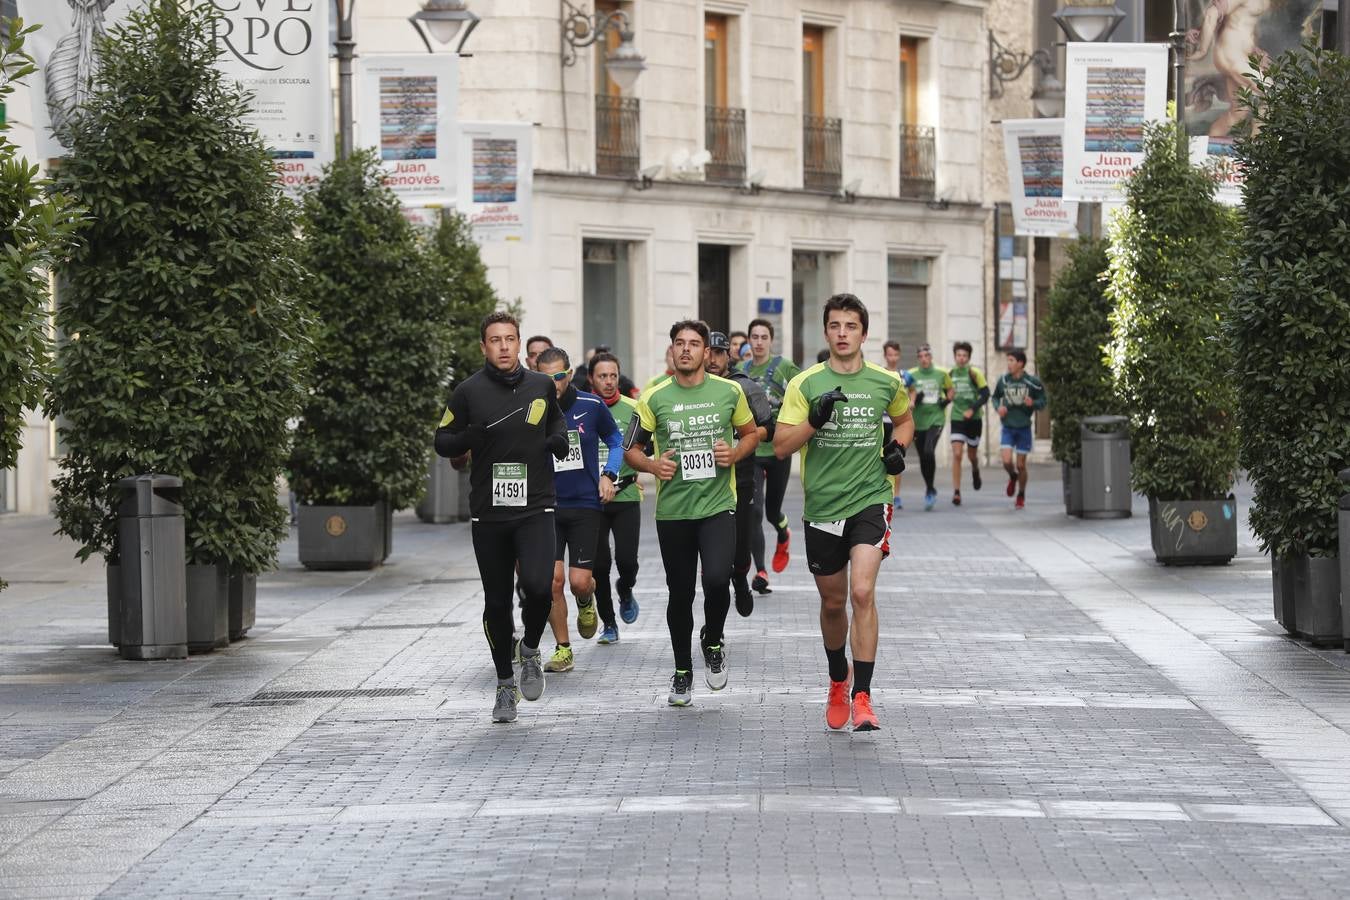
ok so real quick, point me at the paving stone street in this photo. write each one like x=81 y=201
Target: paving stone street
x=1061 y=717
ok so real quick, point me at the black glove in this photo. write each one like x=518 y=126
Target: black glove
x=623 y=482
x=918 y=398
x=942 y=403
x=822 y=408
x=893 y=455
x=557 y=445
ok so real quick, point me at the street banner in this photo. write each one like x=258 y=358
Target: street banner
x=1034 y=149
x=1110 y=91
x=277 y=49
x=1218 y=68
x=496 y=176
x=409 y=113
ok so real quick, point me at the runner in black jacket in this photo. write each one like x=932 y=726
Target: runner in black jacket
x=508 y=419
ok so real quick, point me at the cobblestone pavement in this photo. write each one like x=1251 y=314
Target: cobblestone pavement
x=1061 y=718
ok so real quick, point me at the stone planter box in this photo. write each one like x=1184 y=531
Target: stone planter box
x=441 y=502
x=345 y=537
x=243 y=603
x=208 y=608
x=1073 y=489
x=1193 y=532
x=1317 y=599
x=1284 y=585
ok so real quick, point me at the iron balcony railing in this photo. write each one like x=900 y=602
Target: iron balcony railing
x=617 y=122
x=918 y=179
x=724 y=138
x=823 y=143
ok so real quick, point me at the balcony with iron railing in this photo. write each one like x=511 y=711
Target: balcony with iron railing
x=822 y=153
x=918 y=178
x=724 y=139
x=617 y=130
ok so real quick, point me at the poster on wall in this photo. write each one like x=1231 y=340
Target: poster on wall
x=278 y=51
x=497 y=173
x=1034 y=149
x=408 y=113
x=1110 y=91
x=1219 y=48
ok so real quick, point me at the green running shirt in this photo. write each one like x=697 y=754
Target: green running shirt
x=967 y=392
x=689 y=420
x=774 y=388
x=622 y=411
x=934 y=383
x=842 y=471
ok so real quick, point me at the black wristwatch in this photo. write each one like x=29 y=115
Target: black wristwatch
x=613 y=479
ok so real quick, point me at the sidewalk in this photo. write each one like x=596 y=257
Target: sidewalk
x=1061 y=718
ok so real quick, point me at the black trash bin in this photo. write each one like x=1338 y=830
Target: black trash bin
x=153 y=577
x=1106 y=467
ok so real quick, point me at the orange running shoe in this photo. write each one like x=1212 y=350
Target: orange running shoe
x=780 y=553
x=863 y=717
x=836 y=705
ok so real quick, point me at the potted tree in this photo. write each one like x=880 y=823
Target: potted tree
x=381 y=351
x=186 y=337
x=37 y=232
x=459 y=267
x=1171 y=265
x=1072 y=360
x=1289 y=326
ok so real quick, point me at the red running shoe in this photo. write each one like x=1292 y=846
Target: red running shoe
x=1021 y=502
x=836 y=705
x=1012 y=485
x=780 y=553
x=863 y=717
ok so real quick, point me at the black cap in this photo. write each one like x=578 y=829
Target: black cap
x=718 y=341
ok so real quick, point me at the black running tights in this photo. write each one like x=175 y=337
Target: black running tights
x=498 y=546
x=624 y=521
x=771 y=481
x=927 y=444
x=684 y=543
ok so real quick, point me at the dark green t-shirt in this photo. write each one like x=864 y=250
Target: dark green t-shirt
x=622 y=411
x=934 y=383
x=774 y=378
x=968 y=381
x=1013 y=393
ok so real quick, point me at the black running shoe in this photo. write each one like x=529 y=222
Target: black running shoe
x=975 y=480
x=745 y=601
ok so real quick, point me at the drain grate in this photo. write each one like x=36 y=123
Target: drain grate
x=346 y=692
x=473 y=579
x=396 y=627
x=238 y=703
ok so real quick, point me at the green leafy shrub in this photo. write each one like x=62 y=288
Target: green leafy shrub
x=1071 y=352
x=382 y=344
x=470 y=295
x=1172 y=249
x=185 y=338
x=1290 y=321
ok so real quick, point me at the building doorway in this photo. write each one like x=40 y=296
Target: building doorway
x=907 y=305
x=714 y=286
x=811 y=285
x=607 y=302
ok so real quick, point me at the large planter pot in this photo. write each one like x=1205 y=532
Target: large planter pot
x=208 y=608
x=344 y=537
x=114 y=576
x=1073 y=489
x=243 y=603
x=440 y=504
x=1284 y=584
x=1193 y=532
x=1317 y=599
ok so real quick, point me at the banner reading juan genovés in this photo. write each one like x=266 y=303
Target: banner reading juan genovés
x=1034 y=149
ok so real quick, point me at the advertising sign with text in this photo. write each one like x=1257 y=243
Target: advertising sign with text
x=1034 y=149
x=408 y=113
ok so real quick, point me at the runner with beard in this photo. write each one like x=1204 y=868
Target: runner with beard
x=622 y=515
x=690 y=420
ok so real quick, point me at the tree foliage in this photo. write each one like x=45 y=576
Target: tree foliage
x=382 y=344
x=185 y=339
x=1172 y=249
x=1290 y=322
x=1071 y=354
x=470 y=295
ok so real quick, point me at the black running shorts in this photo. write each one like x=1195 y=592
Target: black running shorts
x=967 y=431
x=828 y=544
x=578 y=533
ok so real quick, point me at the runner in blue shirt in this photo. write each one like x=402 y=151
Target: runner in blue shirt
x=582 y=489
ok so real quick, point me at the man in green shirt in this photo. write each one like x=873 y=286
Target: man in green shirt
x=771 y=473
x=832 y=413
x=933 y=390
x=691 y=419
x=1017 y=396
x=972 y=392
x=622 y=515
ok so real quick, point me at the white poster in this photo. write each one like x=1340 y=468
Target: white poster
x=497 y=173
x=1034 y=149
x=278 y=49
x=1218 y=154
x=1110 y=91
x=408 y=113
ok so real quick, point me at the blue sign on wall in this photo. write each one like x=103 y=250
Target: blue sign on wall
x=770 y=306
